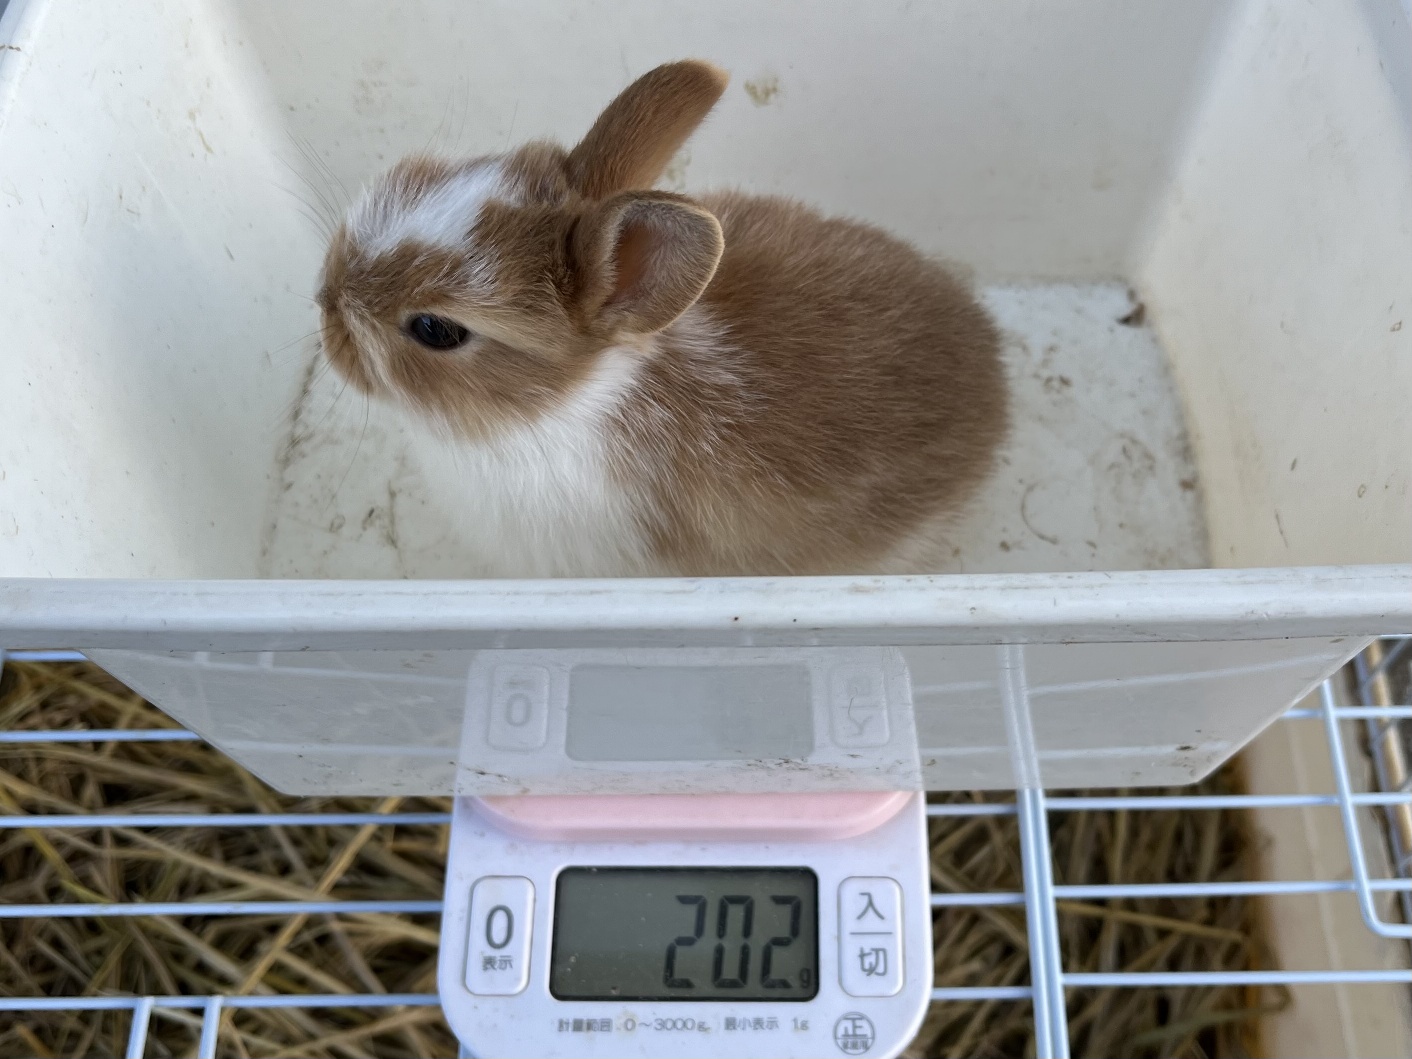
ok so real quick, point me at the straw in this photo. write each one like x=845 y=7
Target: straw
x=988 y=946
x=363 y=954
x=199 y=955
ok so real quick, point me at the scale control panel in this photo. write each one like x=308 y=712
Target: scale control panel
x=785 y=942
x=641 y=720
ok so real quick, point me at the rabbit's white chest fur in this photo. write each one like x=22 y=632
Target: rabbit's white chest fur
x=538 y=499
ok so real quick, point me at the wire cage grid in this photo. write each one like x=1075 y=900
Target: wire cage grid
x=1049 y=981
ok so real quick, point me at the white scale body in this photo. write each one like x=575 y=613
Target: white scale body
x=509 y=858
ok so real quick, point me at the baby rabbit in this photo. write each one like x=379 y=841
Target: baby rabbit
x=616 y=381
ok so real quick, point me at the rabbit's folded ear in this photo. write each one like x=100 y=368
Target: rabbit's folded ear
x=635 y=137
x=642 y=259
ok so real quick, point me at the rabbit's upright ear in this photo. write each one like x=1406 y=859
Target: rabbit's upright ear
x=642 y=259
x=635 y=137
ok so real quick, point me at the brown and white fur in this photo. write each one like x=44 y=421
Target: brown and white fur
x=650 y=384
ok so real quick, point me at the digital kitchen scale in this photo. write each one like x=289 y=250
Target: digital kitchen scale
x=752 y=925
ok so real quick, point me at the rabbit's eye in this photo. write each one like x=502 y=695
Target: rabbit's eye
x=436 y=332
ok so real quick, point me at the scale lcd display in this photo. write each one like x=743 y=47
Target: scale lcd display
x=689 y=713
x=743 y=934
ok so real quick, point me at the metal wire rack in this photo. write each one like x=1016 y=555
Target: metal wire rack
x=1374 y=704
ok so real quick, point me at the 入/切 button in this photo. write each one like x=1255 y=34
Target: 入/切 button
x=870 y=936
x=858 y=704
x=498 y=938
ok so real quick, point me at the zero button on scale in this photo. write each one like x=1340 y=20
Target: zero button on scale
x=498 y=945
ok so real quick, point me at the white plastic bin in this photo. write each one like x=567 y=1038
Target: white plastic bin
x=1193 y=219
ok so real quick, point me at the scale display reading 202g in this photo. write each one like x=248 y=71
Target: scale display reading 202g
x=685 y=934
